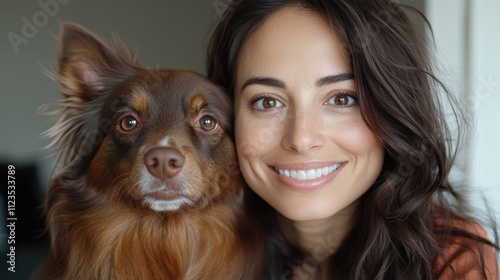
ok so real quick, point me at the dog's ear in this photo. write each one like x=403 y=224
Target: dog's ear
x=88 y=66
x=89 y=70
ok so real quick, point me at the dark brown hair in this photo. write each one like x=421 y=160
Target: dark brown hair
x=411 y=212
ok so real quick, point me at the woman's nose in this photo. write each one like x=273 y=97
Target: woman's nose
x=303 y=132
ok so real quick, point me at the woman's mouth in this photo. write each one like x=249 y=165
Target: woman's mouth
x=307 y=177
x=308 y=174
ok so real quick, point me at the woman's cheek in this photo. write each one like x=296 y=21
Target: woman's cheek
x=244 y=146
x=257 y=137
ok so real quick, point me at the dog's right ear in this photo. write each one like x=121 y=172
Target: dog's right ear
x=88 y=66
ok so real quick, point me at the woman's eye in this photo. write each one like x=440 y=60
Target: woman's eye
x=343 y=100
x=264 y=103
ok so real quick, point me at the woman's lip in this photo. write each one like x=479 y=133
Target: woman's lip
x=306 y=185
x=305 y=166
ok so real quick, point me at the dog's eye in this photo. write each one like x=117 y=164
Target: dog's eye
x=128 y=124
x=207 y=123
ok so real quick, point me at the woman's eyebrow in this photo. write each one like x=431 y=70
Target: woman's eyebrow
x=273 y=82
x=334 y=79
x=264 y=81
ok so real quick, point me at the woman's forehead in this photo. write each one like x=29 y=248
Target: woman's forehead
x=292 y=39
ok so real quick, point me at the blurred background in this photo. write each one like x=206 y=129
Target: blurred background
x=174 y=34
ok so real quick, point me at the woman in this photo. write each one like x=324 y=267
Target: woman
x=339 y=129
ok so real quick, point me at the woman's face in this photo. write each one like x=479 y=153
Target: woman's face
x=302 y=143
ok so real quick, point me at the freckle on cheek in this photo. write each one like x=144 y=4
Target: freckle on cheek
x=245 y=144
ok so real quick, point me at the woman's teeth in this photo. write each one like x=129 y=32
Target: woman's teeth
x=308 y=174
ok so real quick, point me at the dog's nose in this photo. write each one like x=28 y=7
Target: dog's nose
x=164 y=162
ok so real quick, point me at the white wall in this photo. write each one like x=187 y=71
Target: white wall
x=467 y=39
x=485 y=70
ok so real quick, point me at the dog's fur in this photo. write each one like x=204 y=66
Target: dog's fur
x=114 y=210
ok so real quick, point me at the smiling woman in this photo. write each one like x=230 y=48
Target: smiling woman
x=343 y=144
x=309 y=103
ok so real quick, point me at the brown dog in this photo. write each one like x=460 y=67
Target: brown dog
x=149 y=187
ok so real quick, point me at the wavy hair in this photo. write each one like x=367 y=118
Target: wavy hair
x=397 y=235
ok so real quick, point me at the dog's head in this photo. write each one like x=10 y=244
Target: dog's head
x=153 y=138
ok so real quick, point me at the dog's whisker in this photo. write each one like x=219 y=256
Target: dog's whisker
x=128 y=185
x=117 y=182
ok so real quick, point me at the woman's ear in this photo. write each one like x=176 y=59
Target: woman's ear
x=88 y=66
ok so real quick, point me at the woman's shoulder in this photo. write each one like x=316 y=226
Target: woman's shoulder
x=466 y=253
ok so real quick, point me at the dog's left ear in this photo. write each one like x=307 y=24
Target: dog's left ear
x=88 y=66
